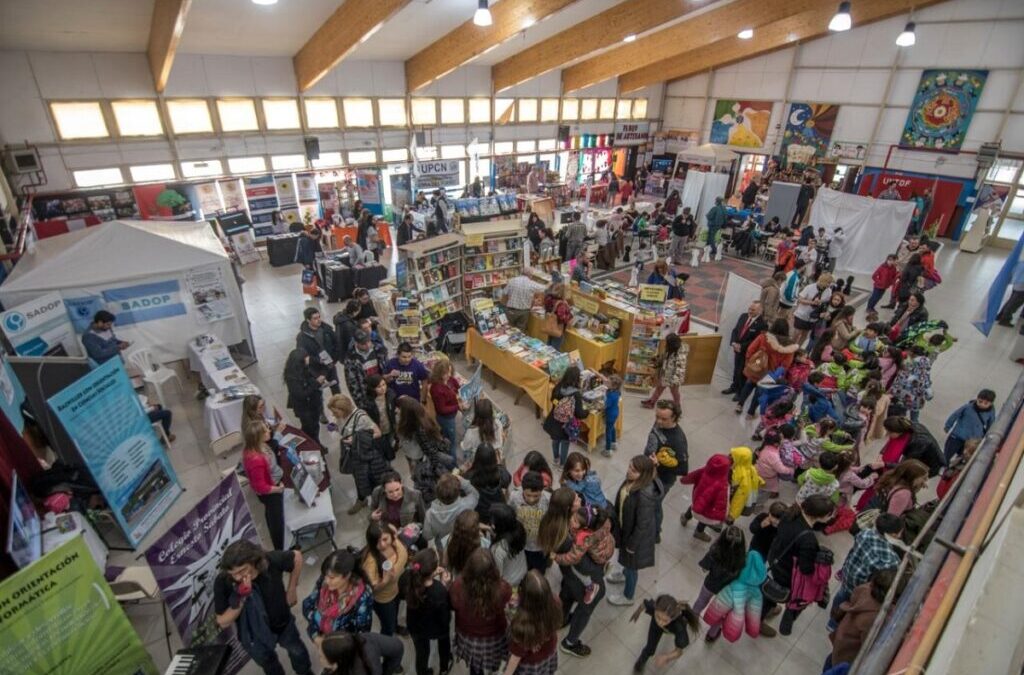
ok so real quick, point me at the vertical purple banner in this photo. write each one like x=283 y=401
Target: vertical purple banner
x=184 y=562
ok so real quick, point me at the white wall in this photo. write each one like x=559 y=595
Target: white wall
x=853 y=69
x=29 y=79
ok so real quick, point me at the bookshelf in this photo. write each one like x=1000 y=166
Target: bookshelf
x=433 y=282
x=644 y=342
x=492 y=255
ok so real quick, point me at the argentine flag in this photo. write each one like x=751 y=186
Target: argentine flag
x=989 y=308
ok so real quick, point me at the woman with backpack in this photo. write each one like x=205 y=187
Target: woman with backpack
x=795 y=546
x=562 y=423
x=361 y=453
x=767 y=352
x=558 y=314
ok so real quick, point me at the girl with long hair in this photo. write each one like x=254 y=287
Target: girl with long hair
x=566 y=408
x=723 y=563
x=484 y=429
x=533 y=634
x=361 y=453
x=668 y=615
x=508 y=543
x=533 y=461
x=428 y=611
x=490 y=479
x=384 y=560
x=637 y=505
x=254 y=408
x=671 y=371
x=444 y=393
x=897 y=489
x=265 y=474
x=414 y=424
x=478 y=598
x=465 y=538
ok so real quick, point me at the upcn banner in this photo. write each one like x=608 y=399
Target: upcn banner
x=105 y=419
x=58 y=616
x=41 y=328
x=184 y=563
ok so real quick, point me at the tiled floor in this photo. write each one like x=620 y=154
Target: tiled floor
x=275 y=305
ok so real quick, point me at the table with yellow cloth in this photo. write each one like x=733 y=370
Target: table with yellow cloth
x=593 y=353
x=595 y=422
x=532 y=381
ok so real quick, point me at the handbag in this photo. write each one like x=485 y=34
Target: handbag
x=347 y=459
x=551 y=325
x=772 y=589
x=757 y=365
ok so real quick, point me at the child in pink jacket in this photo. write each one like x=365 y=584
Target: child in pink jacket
x=770 y=465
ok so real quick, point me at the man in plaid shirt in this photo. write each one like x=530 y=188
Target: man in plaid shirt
x=873 y=549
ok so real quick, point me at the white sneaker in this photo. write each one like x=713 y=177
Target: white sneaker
x=615 y=577
x=621 y=600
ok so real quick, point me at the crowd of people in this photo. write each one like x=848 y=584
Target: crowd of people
x=468 y=545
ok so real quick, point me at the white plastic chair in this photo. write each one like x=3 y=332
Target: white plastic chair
x=153 y=373
x=137 y=585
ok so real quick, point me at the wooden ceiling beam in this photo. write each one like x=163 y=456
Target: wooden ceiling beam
x=716 y=24
x=469 y=40
x=348 y=27
x=776 y=35
x=598 y=32
x=165 y=30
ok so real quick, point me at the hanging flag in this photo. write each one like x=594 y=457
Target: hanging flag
x=987 y=311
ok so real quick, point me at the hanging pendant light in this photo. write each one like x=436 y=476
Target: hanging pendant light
x=482 y=16
x=841 y=21
x=907 y=38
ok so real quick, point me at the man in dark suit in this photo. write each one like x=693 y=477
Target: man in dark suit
x=749 y=326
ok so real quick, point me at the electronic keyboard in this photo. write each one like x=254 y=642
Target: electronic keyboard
x=201 y=660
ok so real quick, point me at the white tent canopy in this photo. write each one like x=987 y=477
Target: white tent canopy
x=102 y=266
x=709 y=153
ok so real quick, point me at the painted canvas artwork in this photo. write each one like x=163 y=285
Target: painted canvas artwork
x=741 y=123
x=942 y=109
x=808 y=131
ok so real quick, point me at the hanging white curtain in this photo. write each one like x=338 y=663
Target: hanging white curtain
x=714 y=186
x=873 y=227
x=692 y=187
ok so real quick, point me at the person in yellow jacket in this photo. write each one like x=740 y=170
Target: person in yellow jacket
x=744 y=481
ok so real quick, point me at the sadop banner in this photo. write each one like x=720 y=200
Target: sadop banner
x=105 y=419
x=184 y=563
x=58 y=616
x=130 y=304
x=41 y=328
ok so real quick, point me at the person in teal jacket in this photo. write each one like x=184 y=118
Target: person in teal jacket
x=717 y=219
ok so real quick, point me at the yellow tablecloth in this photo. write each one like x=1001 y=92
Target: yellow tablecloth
x=594 y=354
x=533 y=381
x=595 y=422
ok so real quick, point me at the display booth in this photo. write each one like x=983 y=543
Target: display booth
x=165 y=281
x=873 y=227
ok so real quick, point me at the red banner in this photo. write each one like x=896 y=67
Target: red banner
x=945 y=195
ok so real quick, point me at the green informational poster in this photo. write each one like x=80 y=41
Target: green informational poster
x=58 y=616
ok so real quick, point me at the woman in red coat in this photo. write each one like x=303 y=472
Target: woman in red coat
x=780 y=351
x=710 y=495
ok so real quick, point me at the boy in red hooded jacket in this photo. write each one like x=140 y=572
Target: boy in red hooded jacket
x=710 y=502
x=884 y=277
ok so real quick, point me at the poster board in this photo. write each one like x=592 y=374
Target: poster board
x=104 y=417
x=12 y=395
x=738 y=295
x=261 y=193
x=184 y=562
x=61 y=618
x=41 y=327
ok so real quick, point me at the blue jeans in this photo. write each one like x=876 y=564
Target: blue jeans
x=556 y=341
x=841 y=596
x=560 y=450
x=629 y=588
x=161 y=415
x=387 y=613
x=290 y=639
x=876 y=295
x=609 y=433
x=447 y=424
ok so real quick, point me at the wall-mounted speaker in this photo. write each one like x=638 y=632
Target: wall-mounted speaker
x=312 y=148
x=563 y=134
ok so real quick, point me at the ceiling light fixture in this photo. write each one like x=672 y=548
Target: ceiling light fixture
x=482 y=16
x=528 y=21
x=264 y=2
x=745 y=34
x=907 y=38
x=841 y=21
x=629 y=38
